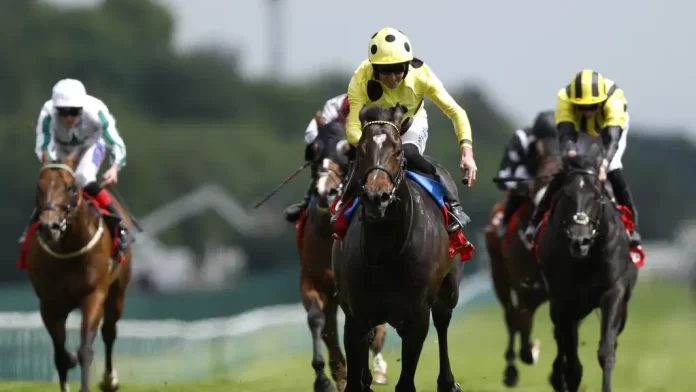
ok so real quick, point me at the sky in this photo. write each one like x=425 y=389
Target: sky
x=521 y=53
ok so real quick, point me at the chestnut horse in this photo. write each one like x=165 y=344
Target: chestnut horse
x=515 y=270
x=71 y=265
x=329 y=166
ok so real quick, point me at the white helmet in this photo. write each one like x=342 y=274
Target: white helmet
x=69 y=93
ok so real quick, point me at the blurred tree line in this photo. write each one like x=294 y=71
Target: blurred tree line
x=193 y=118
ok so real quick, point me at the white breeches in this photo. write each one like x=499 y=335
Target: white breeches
x=417 y=134
x=89 y=158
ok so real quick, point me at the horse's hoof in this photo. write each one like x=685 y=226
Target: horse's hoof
x=511 y=376
x=530 y=356
x=379 y=378
x=455 y=388
x=558 y=383
x=323 y=384
x=109 y=382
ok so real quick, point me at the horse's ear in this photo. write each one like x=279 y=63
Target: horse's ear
x=71 y=160
x=398 y=113
x=594 y=152
x=343 y=147
x=319 y=119
x=361 y=114
x=595 y=155
x=44 y=158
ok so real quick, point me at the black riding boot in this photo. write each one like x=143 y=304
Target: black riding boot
x=542 y=207
x=461 y=219
x=34 y=217
x=514 y=202
x=293 y=212
x=125 y=236
x=623 y=196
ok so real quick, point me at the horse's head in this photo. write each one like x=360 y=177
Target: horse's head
x=380 y=158
x=57 y=197
x=583 y=192
x=330 y=155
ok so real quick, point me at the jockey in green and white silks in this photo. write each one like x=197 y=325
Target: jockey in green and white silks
x=74 y=121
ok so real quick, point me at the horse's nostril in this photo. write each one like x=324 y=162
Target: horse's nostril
x=55 y=226
x=333 y=192
x=384 y=197
x=585 y=241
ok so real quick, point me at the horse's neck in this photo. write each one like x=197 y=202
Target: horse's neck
x=320 y=219
x=82 y=229
x=396 y=223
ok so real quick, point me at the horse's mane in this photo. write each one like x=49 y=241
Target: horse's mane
x=334 y=130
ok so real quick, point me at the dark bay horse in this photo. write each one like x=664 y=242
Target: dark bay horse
x=393 y=264
x=585 y=256
x=515 y=271
x=69 y=261
x=317 y=286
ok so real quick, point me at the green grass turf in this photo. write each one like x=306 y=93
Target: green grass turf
x=657 y=353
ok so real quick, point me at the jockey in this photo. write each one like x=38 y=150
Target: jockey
x=71 y=121
x=592 y=108
x=391 y=76
x=520 y=161
x=335 y=108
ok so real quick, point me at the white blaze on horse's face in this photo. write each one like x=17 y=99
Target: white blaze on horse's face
x=323 y=177
x=379 y=140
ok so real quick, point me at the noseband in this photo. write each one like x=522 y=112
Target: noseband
x=395 y=179
x=580 y=217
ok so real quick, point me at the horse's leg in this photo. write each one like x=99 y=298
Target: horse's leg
x=379 y=365
x=113 y=308
x=503 y=291
x=614 y=309
x=358 y=377
x=337 y=362
x=54 y=319
x=557 y=377
x=92 y=309
x=528 y=304
x=313 y=303
x=442 y=314
x=413 y=333
x=573 y=370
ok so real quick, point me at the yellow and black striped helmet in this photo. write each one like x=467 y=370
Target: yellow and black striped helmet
x=587 y=88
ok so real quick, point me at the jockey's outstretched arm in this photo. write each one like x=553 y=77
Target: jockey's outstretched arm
x=439 y=95
x=45 y=140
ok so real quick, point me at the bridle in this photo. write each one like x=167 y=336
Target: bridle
x=395 y=179
x=581 y=217
x=71 y=209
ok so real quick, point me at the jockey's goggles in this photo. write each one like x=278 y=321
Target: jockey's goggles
x=65 y=112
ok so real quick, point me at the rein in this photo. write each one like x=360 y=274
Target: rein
x=70 y=208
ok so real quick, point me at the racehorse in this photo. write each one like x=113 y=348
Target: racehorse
x=330 y=162
x=515 y=270
x=393 y=264
x=69 y=260
x=586 y=261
